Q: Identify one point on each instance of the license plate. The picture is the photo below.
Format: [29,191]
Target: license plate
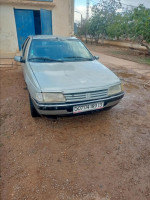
[88,107]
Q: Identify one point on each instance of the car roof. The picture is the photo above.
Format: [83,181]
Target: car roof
[51,37]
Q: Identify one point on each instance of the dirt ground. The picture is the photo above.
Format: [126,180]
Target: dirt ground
[134,55]
[99,156]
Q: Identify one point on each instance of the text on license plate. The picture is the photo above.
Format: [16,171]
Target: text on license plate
[88,107]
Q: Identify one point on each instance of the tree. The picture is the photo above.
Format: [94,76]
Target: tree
[119,28]
[83,29]
[140,22]
[108,21]
[95,28]
[104,14]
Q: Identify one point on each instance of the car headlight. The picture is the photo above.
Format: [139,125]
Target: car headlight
[39,97]
[53,97]
[114,90]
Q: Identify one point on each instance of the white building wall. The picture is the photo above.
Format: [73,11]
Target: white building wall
[62,23]
[63,17]
[8,35]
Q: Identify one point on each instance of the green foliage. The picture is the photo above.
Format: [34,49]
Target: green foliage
[120,28]
[103,16]
[140,20]
[83,29]
[108,21]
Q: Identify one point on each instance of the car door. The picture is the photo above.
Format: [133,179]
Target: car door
[24,57]
[29,76]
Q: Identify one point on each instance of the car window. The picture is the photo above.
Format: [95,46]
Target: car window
[55,49]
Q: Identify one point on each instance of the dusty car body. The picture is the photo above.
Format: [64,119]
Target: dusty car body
[61,85]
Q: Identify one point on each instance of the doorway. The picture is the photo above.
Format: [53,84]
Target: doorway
[32,22]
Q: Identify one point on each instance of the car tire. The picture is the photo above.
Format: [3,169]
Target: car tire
[33,111]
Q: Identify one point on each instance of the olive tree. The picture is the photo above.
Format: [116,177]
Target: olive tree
[134,24]
[103,15]
[140,22]
[83,29]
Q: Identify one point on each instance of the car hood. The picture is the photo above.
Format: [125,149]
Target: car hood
[73,76]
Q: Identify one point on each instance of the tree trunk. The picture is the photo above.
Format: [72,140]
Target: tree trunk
[96,42]
[146,45]
[102,39]
[90,39]
[86,39]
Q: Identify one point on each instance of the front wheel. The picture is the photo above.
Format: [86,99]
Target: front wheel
[33,111]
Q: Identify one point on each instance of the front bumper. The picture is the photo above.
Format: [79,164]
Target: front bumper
[67,108]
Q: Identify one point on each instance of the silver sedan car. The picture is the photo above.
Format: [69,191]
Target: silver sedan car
[63,77]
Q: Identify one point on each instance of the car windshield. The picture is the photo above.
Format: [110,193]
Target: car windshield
[57,50]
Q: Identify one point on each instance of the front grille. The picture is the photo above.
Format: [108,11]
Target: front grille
[73,97]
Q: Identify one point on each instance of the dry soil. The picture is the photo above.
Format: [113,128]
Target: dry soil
[99,156]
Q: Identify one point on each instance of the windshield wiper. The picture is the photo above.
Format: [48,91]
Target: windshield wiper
[78,57]
[45,59]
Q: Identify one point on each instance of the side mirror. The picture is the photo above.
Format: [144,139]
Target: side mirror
[96,57]
[19,59]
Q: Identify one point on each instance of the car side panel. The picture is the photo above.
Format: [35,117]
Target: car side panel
[29,77]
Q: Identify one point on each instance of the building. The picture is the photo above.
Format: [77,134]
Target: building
[20,18]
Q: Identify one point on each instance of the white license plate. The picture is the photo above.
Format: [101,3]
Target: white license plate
[88,107]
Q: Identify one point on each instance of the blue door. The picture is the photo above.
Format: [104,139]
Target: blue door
[24,24]
[46,22]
